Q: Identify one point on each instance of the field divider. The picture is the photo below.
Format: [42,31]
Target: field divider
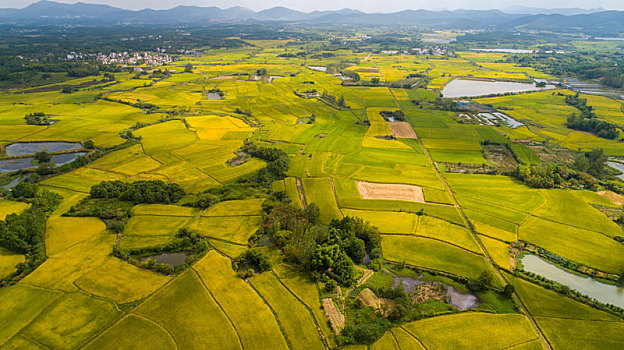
[413,336]
[27,337]
[580,319]
[396,341]
[19,332]
[316,322]
[432,238]
[279,323]
[520,343]
[220,307]
[157,325]
[104,329]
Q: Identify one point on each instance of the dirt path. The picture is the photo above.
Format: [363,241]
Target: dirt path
[301,193]
[367,274]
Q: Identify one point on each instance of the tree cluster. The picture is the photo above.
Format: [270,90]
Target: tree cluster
[37,118]
[397,115]
[25,233]
[333,100]
[152,191]
[601,128]
[325,251]
[584,172]
[256,184]
[249,262]
[186,240]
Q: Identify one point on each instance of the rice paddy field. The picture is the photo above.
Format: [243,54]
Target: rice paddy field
[455,224]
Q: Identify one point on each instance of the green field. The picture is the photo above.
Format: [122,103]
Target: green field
[242,159]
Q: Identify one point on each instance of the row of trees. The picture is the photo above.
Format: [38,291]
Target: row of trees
[152,191]
[333,100]
[601,128]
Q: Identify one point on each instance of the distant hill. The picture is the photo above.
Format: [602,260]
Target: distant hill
[593,21]
[523,10]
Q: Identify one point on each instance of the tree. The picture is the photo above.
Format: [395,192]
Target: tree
[25,190]
[509,290]
[481,283]
[341,102]
[330,286]
[188,68]
[375,81]
[312,213]
[356,249]
[43,157]
[89,144]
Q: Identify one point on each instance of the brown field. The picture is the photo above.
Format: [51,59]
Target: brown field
[336,318]
[410,193]
[369,298]
[615,198]
[402,130]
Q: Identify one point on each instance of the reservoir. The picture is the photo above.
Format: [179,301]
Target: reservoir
[473,88]
[602,292]
[26,148]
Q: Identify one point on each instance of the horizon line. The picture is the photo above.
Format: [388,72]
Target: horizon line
[320,10]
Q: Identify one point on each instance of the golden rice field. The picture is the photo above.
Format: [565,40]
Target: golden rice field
[457,225]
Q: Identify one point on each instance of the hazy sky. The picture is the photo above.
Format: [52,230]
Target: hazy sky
[364,5]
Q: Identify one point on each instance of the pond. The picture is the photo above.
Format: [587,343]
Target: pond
[473,88]
[318,68]
[62,159]
[462,301]
[505,50]
[593,88]
[174,259]
[602,292]
[214,96]
[619,167]
[26,148]
[11,165]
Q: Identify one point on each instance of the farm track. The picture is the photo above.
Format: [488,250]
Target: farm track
[487,256]
[301,193]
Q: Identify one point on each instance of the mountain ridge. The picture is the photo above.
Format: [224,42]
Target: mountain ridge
[51,12]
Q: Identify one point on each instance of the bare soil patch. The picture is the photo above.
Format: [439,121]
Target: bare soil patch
[615,198]
[336,318]
[400,192]
[425,292]
[223,77]
[402,130]
[369,298]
